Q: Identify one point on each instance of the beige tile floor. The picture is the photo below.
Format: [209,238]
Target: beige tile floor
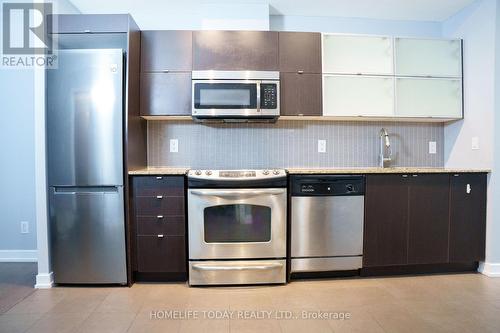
[437,303]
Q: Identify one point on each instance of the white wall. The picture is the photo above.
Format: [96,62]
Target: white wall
[477,25]
[18,94]
[493,239]
[17,167]
[355,26]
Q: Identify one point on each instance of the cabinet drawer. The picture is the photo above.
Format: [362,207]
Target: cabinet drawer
[161,205]
[166,254]
[159,185]
[161,224]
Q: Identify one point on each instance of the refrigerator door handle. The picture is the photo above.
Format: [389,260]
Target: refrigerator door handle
[85,189]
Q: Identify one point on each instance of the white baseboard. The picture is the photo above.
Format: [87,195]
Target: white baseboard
[18,255]
[44,281]
[489,269]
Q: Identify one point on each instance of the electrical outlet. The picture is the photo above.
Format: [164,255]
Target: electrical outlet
[174,145]
[321,146]
[432,147]
[25,227]
[475,143]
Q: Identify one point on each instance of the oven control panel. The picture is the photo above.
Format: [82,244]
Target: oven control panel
[236,174]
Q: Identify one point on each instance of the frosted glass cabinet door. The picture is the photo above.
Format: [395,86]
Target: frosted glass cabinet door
[427,57]
[351,96]
[357,55]
[422,97]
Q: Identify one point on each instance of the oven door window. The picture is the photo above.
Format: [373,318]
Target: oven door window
[238,223]
[225,95]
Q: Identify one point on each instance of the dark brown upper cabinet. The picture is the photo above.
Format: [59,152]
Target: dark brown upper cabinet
[428,219]
[300,52]
[468,217]
[235,50]
[300,94]
[166,94]
[386,220]
[166,51]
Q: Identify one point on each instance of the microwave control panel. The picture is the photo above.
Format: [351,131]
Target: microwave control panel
[268,96]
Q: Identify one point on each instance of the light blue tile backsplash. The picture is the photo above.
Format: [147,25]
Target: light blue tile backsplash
[291,144]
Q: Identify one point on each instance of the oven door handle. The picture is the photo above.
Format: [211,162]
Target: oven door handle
[234,193]
[259,267]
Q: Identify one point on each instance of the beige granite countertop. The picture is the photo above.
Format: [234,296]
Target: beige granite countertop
[305,171]
[159,171]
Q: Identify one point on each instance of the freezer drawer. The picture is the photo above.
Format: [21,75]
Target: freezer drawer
[87,235]
[85,118]
[329,226]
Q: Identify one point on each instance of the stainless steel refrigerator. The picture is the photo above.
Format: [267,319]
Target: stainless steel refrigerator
[85,166]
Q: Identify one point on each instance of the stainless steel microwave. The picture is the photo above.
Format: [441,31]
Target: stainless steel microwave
[236,95]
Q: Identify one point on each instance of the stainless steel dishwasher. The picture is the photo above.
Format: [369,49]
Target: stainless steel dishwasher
[327,214]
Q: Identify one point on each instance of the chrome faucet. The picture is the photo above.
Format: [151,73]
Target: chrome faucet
[385,149]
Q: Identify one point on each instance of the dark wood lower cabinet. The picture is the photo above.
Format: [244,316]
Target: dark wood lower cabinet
[159,228]
[386,225]
[424,223]
[468,217]
[428,218]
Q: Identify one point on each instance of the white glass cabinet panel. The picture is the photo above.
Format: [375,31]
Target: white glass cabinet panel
[357,55]
[351,96]
[428,97]
[428,57]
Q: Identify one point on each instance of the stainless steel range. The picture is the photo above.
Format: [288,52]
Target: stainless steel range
[237,226]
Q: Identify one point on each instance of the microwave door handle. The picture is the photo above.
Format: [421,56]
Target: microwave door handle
[237,193]
[258,96]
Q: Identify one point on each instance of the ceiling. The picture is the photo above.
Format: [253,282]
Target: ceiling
[417,10]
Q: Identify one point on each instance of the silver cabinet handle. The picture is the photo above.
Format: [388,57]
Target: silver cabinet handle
[468,189]
[160,236]
[300,72]
[260,267]
[237,193]
[159,177]
[159,197]
[159,217]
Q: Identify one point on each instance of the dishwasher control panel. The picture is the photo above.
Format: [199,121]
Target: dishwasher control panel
[327,185]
